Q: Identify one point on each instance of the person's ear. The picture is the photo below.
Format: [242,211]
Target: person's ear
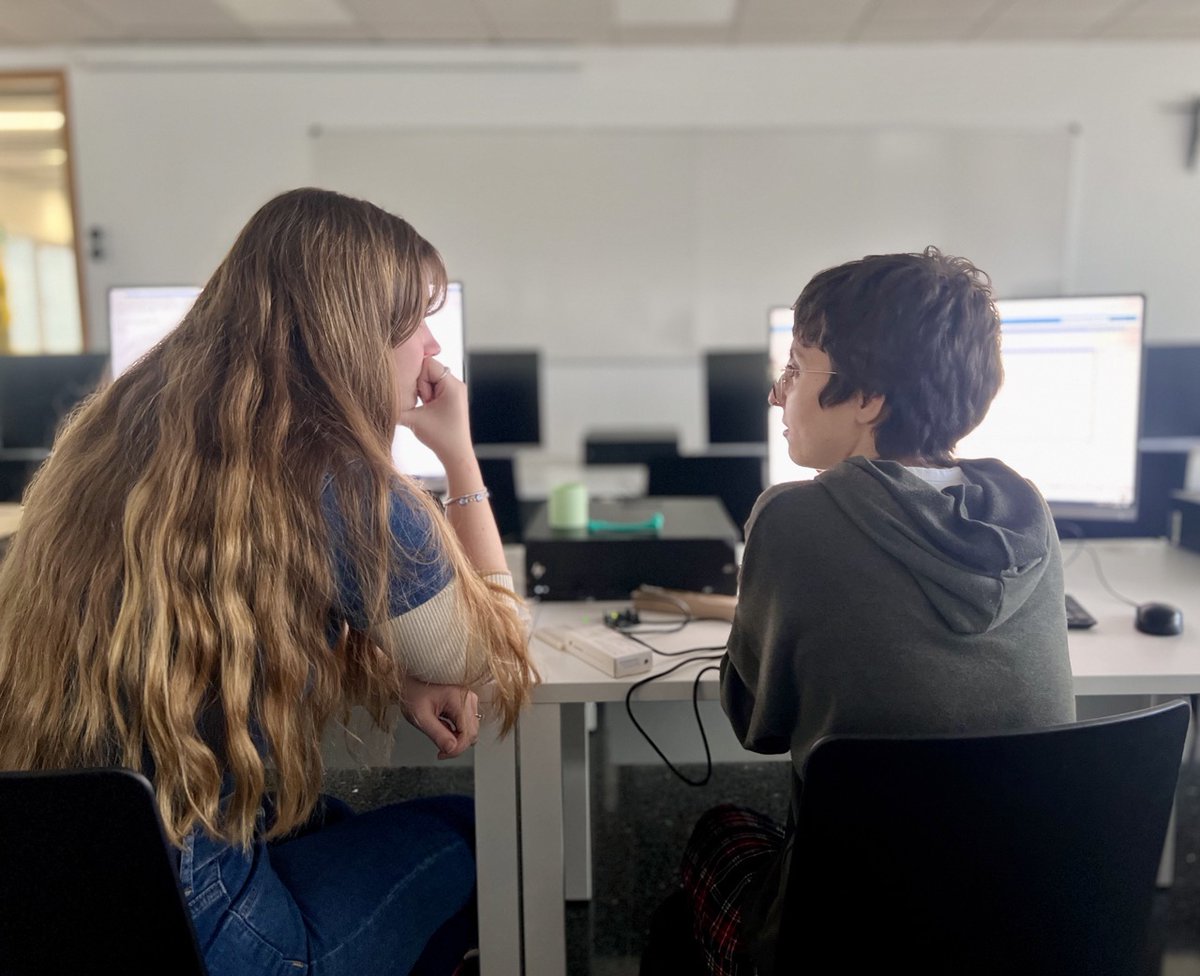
[870,409]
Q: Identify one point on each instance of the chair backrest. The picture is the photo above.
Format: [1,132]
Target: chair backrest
[1024,853]
[88,881]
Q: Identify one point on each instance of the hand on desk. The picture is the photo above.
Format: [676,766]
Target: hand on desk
[447,714]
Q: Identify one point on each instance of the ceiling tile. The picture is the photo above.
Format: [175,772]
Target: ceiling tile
[804,21]
[1037,29]
[48,22]
[266,14]
[791,32]
[420,18]
[570,21]
[54,22]
[674,35]
[931,10]
[884,31]
[687,14]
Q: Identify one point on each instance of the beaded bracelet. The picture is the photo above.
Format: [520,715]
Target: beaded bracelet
[473,496]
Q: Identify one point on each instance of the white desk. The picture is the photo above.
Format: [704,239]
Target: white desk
[543,773]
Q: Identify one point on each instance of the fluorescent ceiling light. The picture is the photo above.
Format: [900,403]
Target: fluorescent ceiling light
[282,13]
[698,13]
[31,121]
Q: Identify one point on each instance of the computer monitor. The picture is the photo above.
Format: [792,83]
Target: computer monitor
[1171,393]
[735,386]
[1067,415]
[37,392]
[138,317]
[505,397]
[409,454]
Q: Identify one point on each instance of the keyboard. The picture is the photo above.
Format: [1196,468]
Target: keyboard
[1077,617]
[600,646]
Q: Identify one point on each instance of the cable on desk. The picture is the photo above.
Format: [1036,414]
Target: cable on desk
[1104,580]
[1077,537]
[687,650]
[627,623]
[708,765]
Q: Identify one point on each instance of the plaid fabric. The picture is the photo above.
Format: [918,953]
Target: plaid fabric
[728,846]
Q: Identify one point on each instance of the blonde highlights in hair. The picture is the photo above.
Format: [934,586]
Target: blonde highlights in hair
[166,603]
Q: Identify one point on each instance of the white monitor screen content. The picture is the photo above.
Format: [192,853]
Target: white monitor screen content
[1067,414]
[139,317]
[411,456]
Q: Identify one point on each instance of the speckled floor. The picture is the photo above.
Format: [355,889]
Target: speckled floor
[642,816]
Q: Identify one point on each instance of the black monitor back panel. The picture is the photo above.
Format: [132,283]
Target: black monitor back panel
[736,384]
[505,397]
[1171,392]
[37,392]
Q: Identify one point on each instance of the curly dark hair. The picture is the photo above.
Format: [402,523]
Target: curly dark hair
[919,329]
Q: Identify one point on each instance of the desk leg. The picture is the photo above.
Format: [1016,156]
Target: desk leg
[577,808]
[541,780]
[497,853]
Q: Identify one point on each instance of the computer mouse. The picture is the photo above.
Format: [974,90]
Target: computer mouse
[1160,619]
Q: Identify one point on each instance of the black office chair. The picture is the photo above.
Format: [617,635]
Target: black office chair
[88,881]
[737,480]
[1026,853]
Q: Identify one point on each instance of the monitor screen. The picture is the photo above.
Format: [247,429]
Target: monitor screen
[37,392]
[735,387]
[1082,356]
[139,317]
[505,398]
[1067,415]
[410,455]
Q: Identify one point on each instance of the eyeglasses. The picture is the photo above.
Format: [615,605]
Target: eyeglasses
[780,387]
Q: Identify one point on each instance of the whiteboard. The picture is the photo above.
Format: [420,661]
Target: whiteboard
[663,243]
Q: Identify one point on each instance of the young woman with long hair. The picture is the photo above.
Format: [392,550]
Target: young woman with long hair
[219,557]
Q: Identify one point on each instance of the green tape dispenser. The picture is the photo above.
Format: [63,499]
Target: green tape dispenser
[653,524]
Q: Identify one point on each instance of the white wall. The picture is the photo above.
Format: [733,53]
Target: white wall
[176,147]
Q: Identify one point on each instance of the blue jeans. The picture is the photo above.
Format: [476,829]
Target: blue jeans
[390,891]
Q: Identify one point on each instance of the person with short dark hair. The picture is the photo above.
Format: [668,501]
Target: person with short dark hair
[902,591]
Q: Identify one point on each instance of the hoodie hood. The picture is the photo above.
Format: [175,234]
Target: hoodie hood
[977,550]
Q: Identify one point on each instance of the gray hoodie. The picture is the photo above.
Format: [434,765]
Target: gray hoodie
[873,602]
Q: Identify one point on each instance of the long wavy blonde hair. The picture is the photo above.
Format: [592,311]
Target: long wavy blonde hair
[166,604]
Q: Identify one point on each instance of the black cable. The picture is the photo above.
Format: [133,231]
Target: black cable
[695,708]
[687,650]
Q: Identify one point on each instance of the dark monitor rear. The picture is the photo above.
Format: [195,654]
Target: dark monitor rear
[505,397]
[736,384]
[37,392]
[1171,392]
[737,480]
